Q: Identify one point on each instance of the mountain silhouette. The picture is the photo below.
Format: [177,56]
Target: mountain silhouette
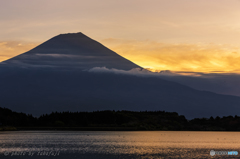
[74,50]
[55,76]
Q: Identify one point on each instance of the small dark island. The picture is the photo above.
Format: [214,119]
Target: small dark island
[115,121]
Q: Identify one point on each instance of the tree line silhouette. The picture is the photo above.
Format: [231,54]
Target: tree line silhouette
[115,120]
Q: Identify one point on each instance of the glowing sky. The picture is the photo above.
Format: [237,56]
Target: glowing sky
[177,35]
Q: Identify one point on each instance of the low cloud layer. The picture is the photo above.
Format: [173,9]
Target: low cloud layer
[221,83]
[135,71]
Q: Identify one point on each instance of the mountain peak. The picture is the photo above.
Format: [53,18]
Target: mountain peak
[72,50]
[71,35]
[78,33]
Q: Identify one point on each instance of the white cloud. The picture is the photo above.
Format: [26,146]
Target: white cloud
[135,71]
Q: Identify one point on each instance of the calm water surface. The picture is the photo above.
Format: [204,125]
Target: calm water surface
[116,144]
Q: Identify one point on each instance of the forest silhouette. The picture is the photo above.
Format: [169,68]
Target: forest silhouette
[115,120]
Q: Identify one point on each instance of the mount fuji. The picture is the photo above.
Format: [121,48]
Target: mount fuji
[71,51]
[55,76]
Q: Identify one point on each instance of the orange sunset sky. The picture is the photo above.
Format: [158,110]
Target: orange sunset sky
[176,35]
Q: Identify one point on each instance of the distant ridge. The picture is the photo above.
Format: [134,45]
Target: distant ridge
[72,50]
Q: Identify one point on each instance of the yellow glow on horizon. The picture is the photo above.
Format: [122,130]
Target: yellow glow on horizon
[9,49]
[157,56]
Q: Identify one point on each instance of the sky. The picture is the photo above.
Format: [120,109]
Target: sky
[177,35]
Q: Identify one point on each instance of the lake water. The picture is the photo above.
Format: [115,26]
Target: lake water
[117,144]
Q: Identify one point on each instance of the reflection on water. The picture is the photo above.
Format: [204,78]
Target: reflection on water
[117,144]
